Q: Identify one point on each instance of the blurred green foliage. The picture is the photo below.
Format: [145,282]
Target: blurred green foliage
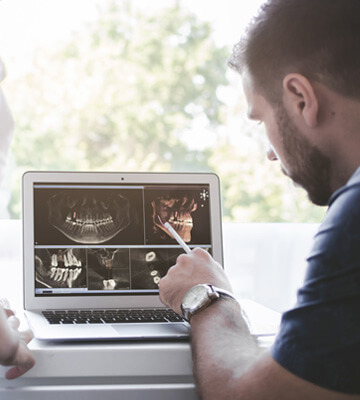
[120,94]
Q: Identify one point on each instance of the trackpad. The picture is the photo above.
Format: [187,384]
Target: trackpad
[152,331]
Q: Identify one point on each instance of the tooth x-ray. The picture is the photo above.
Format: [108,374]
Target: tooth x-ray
[111,238]
[88,216]
[150,265]
[60,268]
[108,269]
[187,211]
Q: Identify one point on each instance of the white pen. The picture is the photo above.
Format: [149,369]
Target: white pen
[176,236]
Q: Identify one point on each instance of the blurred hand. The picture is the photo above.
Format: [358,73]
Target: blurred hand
[13,345]
[4,303]
[190,270]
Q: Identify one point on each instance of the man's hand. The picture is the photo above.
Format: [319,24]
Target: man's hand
[190,270]
[13,345]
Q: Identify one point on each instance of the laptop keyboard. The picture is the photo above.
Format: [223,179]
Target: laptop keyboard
[111,316]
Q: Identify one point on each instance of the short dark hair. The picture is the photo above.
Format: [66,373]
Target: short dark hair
[319,39]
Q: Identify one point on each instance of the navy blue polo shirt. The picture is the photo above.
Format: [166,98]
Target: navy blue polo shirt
[319,339]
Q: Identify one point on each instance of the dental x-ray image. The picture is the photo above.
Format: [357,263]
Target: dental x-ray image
[88,216]
[187,211]
[148,266]
[108,269]
[60,268]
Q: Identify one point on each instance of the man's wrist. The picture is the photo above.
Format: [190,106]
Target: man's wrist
[221,313]
[200,297]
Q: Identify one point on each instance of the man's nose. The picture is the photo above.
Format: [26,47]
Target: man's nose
[271,155]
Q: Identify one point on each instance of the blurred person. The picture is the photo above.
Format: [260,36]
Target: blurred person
[6,126]
[13,343]
[300,66]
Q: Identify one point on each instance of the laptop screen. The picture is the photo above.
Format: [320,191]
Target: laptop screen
[101,239]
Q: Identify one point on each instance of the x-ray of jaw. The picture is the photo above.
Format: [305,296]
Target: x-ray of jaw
[60,268]
[148,266]
[88,218]
[150,259]
[108,269]
[175,209]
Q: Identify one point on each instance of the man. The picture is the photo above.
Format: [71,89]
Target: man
[13,344]
[300,66]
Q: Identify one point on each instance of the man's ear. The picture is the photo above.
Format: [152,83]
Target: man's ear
[299,96]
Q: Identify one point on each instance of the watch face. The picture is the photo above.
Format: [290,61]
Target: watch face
[196,297]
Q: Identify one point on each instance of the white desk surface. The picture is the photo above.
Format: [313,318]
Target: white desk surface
[113,370]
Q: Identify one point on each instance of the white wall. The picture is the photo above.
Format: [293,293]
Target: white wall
[266,261]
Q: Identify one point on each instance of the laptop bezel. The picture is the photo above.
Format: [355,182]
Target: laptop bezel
[32,302]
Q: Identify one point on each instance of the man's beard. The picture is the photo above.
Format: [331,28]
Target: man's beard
[308,166]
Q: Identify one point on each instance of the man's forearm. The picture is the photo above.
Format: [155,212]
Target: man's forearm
[223,348]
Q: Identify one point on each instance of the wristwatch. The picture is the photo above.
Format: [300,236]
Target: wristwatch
[200,297]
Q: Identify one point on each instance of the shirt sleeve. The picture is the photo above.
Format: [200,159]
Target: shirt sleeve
[319,339]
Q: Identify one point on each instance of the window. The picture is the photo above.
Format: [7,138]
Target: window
[133,85]
[122,85]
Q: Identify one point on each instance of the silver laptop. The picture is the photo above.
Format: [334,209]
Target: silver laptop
[95,250]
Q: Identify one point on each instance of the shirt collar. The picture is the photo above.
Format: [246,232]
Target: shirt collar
[354,179]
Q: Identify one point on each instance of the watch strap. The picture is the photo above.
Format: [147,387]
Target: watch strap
[223,292]
[215,294]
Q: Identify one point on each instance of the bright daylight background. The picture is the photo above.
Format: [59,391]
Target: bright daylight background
[134,85]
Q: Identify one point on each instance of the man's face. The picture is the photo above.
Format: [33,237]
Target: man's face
[304,163]
[308,166]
